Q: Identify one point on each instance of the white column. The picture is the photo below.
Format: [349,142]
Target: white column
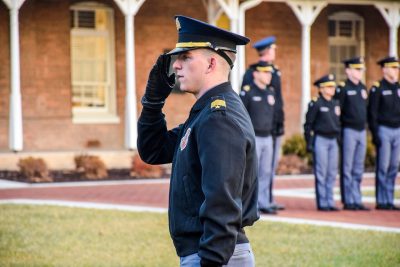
[15,123]
[235,76]
[214,11]
[130,98]
[305,69]
[241,55]
[391,14]
[130,9]
[231,9]
[306,12]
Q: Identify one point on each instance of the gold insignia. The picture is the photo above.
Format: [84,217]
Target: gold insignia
[314,98]
[246,88]
[178,24]
[377,84]
[218,103]
[264,69]
[342,83]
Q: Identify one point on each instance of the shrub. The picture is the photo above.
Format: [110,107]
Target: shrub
[144,170]
[296,145]
[370,156]
[34,169]
[90,167]
[292,164]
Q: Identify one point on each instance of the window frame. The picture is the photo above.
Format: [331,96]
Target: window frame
[357,41]
[107,114]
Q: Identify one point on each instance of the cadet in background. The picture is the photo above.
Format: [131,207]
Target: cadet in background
[321,131]
[266,50]
[384,123]
[259,100]
[353,98]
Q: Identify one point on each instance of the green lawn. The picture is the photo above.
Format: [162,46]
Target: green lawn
[371,193]
[58,236]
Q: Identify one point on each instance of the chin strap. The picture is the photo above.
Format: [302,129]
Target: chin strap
[225,56]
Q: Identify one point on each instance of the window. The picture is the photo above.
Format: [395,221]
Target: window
[92,64]
[346,40]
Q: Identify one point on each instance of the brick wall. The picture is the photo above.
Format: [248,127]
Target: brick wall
[4,74]
[45,64]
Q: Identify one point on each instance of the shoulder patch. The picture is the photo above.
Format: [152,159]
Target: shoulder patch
[314,99]
[246,88]
[342,83]
[377,84]
[218,103]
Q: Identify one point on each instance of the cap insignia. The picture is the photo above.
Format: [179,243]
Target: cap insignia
[178,24]
[246,88]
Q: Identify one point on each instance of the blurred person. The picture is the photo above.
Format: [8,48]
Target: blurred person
[321,132]
[259,100]
[266,50]
[213,187]
[384,123]
[353,98]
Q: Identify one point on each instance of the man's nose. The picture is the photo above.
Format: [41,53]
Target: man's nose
[176,64]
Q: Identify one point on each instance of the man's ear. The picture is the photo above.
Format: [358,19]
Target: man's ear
[212,63]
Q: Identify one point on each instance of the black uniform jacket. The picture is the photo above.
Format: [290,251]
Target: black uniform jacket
[213,188]
[384,105]
[279,115]
[322,118]
[260,104]
[353,100]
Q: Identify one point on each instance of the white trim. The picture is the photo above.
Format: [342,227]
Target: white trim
[391,14]
[11,4]
[85,205]
[352,226]
[136,208]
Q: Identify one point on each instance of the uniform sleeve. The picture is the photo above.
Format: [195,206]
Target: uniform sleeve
[223,161]
[247,78]
[279,115]
[310,119]
[373,107]
[340,96]
[156,145]
[245,97]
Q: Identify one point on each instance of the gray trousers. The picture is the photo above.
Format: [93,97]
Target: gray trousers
[325,170]
[264,149]
[353,156]
[387,163]
[275,160]
[242,257]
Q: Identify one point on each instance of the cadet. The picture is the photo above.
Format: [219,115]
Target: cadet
[321,130]
[259,100]
[266,50]
[384,123]
[352,96]
[213,187]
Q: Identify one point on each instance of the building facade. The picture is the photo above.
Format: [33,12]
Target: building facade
[65,84]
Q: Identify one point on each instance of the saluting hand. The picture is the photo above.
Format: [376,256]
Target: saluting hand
[159,84]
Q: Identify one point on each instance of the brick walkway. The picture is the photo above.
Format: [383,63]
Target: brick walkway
[155,194]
